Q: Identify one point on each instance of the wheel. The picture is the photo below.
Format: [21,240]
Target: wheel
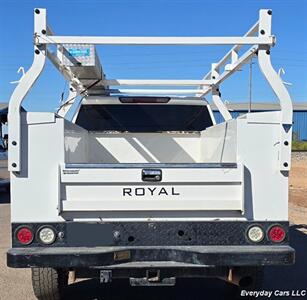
[49,283]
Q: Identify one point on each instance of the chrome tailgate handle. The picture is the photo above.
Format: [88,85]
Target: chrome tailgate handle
[151,175]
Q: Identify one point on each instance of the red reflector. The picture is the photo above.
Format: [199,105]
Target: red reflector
[277,234]
[24,235]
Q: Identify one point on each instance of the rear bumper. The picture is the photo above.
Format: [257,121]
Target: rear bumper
[82,257]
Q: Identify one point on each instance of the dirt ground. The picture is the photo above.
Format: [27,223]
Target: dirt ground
[15,284]
[4,174]
[298,189]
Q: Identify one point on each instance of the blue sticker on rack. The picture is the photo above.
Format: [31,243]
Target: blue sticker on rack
[77,52]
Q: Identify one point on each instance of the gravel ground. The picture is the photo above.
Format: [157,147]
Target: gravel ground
[15,284]
[4,174]
[299,156]
[298,188]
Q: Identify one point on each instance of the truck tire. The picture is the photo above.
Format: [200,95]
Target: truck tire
[49,283]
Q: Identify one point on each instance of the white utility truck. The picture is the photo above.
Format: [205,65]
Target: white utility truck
[142,183]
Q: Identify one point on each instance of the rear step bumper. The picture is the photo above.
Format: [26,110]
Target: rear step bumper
[74,257]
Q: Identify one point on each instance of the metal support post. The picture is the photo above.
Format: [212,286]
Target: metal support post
[22,89]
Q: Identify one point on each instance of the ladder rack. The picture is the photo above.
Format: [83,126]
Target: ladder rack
[81,77]
[77,60]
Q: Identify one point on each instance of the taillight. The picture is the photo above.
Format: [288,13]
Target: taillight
[24,235]
[276,234]
[255,234]
[46,235]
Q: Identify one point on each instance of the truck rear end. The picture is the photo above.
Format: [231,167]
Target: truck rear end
[149,187]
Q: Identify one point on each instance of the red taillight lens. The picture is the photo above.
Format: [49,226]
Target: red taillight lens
[24,235]
[277,234]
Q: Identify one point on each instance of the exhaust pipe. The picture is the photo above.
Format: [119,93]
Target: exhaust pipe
[238,279]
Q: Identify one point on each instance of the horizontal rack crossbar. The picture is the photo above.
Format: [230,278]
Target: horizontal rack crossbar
[156,82]
[125,40]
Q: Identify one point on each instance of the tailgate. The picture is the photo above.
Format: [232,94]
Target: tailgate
[123,187]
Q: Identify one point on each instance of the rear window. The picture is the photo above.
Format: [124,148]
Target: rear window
[144,118]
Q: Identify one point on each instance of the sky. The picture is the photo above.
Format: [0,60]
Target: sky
[155,18]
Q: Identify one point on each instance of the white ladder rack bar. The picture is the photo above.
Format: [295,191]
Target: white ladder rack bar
[231,69]
[156,82]
[236,48]
[230,54]
[153,41]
